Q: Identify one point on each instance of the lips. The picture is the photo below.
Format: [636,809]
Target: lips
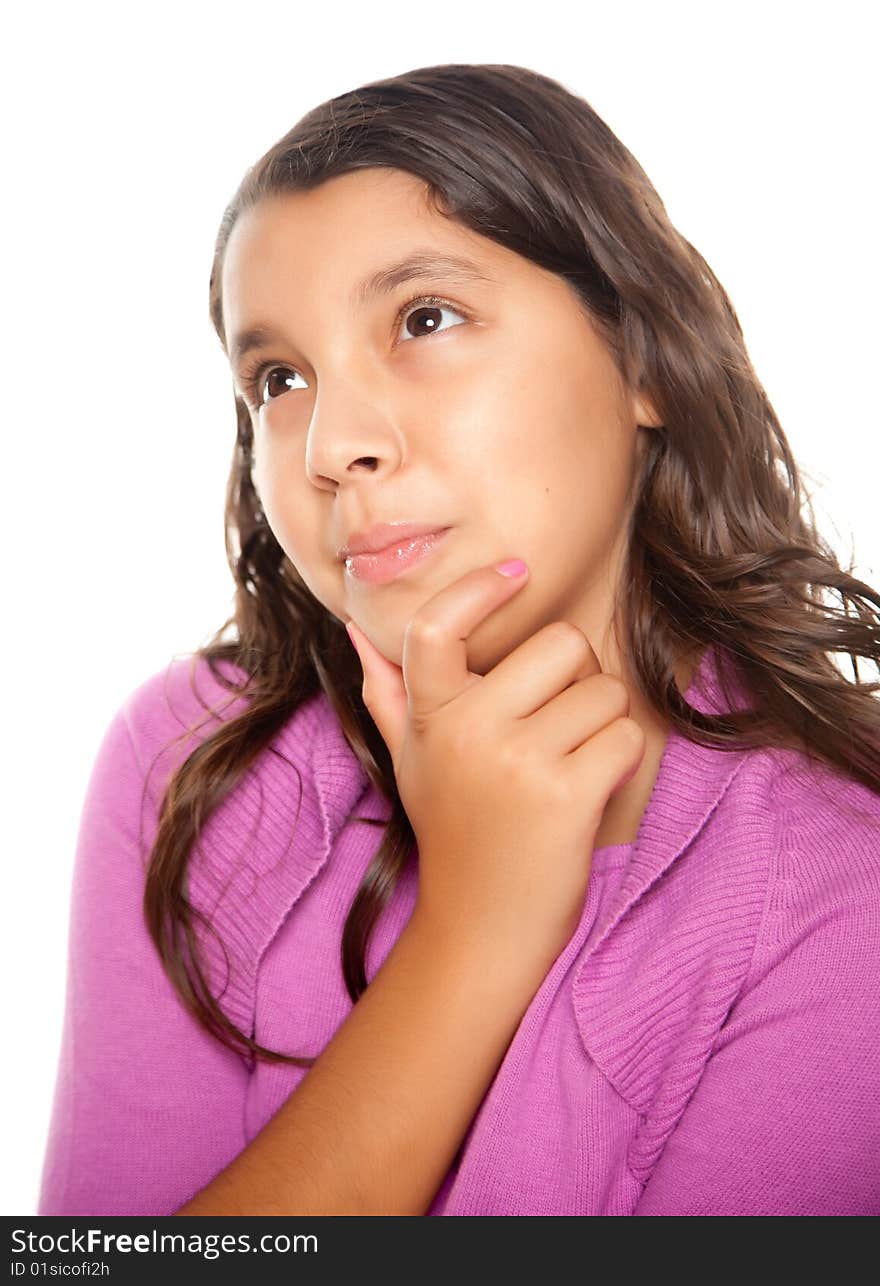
[395,560]
[384,535]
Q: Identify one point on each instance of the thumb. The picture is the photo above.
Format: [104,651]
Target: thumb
[384,691]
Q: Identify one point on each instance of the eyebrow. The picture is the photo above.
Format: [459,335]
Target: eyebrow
[418,263]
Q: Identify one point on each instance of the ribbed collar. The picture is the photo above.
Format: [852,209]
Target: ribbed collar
[690,783]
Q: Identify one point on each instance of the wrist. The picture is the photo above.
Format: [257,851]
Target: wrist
[497,963]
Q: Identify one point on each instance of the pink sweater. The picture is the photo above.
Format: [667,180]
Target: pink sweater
[708,1042]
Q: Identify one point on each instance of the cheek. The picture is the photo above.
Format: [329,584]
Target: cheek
[591,448]
[292,523]
[546,412]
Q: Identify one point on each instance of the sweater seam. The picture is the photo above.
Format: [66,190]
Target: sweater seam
[773,862]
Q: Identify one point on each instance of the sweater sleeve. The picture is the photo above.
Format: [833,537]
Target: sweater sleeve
[148,1107]
[785,1119]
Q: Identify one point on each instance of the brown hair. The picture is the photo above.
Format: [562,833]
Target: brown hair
[719,550]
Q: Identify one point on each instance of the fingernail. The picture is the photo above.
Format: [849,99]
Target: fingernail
[514,567]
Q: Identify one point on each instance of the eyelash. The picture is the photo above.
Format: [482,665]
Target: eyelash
[252,376]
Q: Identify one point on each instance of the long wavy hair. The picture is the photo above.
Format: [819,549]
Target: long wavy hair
[720,551]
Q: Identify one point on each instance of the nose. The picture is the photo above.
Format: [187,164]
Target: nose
[350,437]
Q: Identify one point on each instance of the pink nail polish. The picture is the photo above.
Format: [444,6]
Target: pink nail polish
[514,567]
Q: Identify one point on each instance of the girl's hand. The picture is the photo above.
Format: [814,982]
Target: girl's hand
[504,777]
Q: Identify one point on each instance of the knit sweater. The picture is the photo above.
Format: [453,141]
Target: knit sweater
[707,1043]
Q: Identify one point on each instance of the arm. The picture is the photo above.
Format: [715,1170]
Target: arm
[785,1119]
[139,1081]
[147,1105]
[374,1125]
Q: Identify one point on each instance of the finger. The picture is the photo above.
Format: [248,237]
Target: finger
[435,644]
[542,667]
[610,758]
[578,713]
[383,690]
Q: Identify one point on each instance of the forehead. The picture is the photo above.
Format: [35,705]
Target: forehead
[357,204]
[312,247]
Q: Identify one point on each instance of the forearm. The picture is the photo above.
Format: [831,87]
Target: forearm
[374,1125]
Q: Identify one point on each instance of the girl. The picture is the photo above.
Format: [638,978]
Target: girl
[559,891]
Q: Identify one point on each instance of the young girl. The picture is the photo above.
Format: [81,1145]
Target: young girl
[559,891]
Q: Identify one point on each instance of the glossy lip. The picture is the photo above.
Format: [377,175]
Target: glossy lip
[388,564]
[383,535]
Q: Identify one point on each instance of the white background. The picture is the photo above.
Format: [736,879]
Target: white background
[126,133]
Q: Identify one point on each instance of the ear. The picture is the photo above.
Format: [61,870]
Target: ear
[644,414]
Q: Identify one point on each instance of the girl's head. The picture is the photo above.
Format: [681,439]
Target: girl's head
[575,391]
[478,395]
[586,403]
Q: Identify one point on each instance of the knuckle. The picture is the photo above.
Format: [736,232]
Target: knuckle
[515,762]
[569,634]
[613,691]
[424,631]
[631,731]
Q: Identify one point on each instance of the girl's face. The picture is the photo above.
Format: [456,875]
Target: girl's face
[497,412]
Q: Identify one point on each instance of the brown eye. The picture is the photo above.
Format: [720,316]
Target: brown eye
[426,318]
[422,316]
[277,380]
[265,383]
